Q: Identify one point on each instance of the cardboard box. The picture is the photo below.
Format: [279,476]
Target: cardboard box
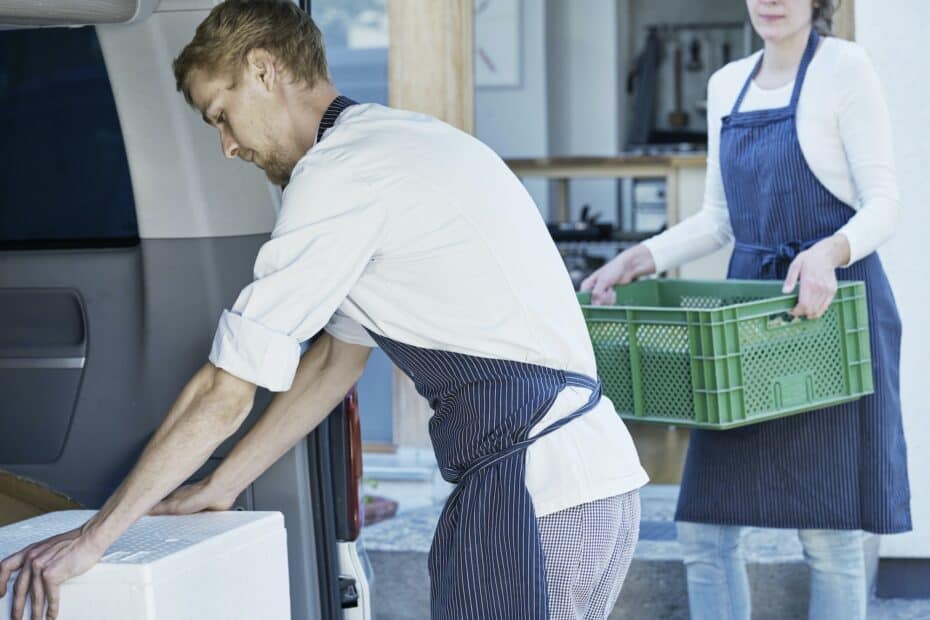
[21,499]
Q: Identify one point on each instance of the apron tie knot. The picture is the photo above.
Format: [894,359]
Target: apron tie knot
[773,258]
[783,254]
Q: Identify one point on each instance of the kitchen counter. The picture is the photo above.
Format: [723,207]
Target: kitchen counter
[622,165]
[680,169]
[683,171]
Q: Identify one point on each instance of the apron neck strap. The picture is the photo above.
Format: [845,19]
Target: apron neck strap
[745,89]
[812,43]
[332,112]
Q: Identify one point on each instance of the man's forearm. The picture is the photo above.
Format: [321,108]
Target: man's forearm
[324,376]
[209,409]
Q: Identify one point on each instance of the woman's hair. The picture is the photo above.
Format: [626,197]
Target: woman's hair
[823,15]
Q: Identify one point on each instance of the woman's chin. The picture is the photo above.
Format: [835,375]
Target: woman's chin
[772,33]
[778,31]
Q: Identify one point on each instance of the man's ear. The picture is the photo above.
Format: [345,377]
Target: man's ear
[260,66]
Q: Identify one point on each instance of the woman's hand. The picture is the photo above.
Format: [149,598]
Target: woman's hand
[192,498]
[623,269]
[816,270]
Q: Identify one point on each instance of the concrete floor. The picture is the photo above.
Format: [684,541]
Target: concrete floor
[655,588]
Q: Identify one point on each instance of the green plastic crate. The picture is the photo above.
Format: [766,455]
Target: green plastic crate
[722,354]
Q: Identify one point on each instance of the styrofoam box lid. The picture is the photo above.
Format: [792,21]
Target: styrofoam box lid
[154,547]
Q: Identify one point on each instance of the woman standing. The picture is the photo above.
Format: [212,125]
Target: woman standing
[800,175]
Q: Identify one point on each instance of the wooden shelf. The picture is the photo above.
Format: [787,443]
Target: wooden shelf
[600,167]
[563,169]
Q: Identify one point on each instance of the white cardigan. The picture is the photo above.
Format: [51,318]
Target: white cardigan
[845,135]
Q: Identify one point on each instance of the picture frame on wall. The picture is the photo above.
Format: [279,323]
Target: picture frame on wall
[498,43]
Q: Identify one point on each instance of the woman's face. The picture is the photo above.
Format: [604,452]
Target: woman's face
[777,20]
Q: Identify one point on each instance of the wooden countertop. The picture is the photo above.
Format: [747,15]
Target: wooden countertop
[620,165]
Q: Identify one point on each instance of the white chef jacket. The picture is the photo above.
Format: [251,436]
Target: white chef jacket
[399,224]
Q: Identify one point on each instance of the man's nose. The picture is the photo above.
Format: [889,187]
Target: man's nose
[228,144]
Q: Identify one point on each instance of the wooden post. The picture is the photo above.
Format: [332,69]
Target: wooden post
[431,59]
[430,70]
[844,22]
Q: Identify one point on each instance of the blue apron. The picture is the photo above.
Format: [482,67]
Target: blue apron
[486,560]
[842,467]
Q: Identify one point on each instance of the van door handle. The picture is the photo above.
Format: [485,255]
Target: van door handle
[7,363]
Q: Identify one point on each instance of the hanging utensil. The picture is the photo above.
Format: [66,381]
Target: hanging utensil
[643,83]
[678,118]
[695,63]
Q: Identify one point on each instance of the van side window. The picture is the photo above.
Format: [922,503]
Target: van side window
[64,178]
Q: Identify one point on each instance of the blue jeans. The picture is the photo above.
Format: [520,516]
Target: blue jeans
[718,588]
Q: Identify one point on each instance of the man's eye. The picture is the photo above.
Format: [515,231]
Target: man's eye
[221,118]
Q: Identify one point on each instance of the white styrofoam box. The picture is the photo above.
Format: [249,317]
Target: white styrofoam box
[212,565]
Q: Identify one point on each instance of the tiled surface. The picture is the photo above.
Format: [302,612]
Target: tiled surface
[409,476]
[657,530]
[899,609]
[413,531]
[410,533]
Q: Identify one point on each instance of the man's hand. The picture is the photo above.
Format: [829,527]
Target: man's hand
[209,409]
[198,422]
[43,567]
[192,498]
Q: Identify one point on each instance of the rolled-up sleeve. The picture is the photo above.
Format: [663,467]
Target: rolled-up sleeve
[326,234]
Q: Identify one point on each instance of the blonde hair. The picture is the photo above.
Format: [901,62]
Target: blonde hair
[235,27]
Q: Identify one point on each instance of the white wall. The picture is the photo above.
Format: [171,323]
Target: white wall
[583,92]
[897,42]
[567,102]
[512,120]
[583,77]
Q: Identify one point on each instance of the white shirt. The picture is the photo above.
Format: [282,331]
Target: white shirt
[845,134]
[400,224]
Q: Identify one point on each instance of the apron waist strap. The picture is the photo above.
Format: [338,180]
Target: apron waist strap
[482,521]
[573,379]
[781,254]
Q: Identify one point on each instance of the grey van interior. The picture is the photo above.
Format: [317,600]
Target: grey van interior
[123,234]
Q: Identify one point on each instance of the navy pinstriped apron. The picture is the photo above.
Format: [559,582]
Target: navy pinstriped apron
[486,561]
[841,467]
